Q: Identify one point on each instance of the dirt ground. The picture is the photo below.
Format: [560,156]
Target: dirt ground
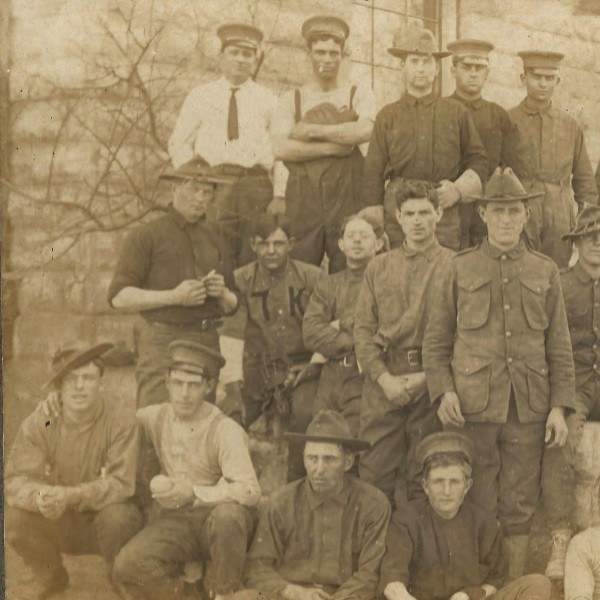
[88,574]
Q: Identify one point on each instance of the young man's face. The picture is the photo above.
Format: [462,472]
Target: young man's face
[589,249]
[505,222]
[540,84]
[80,388]
[191,199]
[418,218]
[237,63]
[469,78]
[187,392]
[325,466]
[420,71]
[446,488]
[326,58]
[359,242]
[272,253]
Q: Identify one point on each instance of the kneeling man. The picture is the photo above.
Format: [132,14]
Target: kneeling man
[441,547]
[205,486]
[322,536]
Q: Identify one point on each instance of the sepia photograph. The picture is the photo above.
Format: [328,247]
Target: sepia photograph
[300,299]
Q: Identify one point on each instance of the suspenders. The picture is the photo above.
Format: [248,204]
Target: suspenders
[298,102]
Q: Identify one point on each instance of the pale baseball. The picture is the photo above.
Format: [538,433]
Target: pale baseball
[160,484]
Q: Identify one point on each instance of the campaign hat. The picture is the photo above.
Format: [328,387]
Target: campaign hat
[72,356]
[415,40]
[504,186]
[196,358]
[471,51]
[329,426]
[445,442]
[588,221]
[240,34]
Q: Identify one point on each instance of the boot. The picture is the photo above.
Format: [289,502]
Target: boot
[556,563]
[517,555]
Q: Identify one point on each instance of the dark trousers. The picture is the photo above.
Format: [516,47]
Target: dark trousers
[40,541]
[527,587]
[221,533]
[507,468]
[394,432]
[153,341]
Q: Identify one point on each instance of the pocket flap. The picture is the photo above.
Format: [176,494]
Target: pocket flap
[537,286]
[540,369]
[473,282]
[469,366]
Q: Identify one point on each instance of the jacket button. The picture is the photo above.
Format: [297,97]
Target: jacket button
[508,333]
[503,257]
[509,360]
[506,306]
[505,280]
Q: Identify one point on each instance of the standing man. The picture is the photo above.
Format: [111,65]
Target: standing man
[581,290]
[70,479]
[389,322]
[556,163]
[223,130]
[177,272]
[425,138]
[470,69]
[317,131]
[329,321]
[321,537]
[498,360]
[263,340]
[204,482]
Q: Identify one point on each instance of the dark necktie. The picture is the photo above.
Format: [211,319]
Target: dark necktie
[232,118]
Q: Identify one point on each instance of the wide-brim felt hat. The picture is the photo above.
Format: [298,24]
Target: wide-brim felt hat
[193,170]
[588,221]
[72,357]
[196,358]
[415,40]
[504,186]
[330,427]
[445,442]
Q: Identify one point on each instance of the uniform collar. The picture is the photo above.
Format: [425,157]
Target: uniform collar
[410,100]
[496,253]
[476,104]
[315,500]
[531,110]
[227,85]
[581,273]
[429,253]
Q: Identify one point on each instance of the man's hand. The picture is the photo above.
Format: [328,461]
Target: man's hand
[335,324]
[191,292]
[303,132]
[449,411]
[459,596]
[53,501]
[215,284]
[556,428]
[51,405]
[415,384]
[397,591]
[299,373]
[394,388]
[181,494]
[448,194]
[297,592]
[233,405]
[277,206]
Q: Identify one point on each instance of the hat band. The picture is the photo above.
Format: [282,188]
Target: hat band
[190,368]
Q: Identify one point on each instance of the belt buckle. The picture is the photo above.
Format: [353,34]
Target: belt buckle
[412,356]
[346,362]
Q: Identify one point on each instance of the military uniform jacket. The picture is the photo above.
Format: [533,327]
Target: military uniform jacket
[499,321]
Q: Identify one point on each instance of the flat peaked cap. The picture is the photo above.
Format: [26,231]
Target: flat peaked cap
[415,40]
[195,358]
[325,25]
[191,171]
[504,186]
[588,221]
[471,51]
[329,426]
[444,442]
[72,357]
[240,34]
[540,59]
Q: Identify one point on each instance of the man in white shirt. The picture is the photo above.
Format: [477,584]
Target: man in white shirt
[223,130]
[582,569]
[205,487]
[317,130]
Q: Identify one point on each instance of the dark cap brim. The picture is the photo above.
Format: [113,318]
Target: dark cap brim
[350,443]
[174,177]
[508,198]
[573,235]
[78,361]
[398,53]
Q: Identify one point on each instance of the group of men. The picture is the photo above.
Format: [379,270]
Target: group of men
[449,372]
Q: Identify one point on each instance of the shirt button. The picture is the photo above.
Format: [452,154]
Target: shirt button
[595,347]
[508,333]
[509,360]
[505,280]
[596,304]
[280,311]
[506,306]
[503,256]
[596,281]
[596,328]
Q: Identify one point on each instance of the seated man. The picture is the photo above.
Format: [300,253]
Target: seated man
[206,484]
[321,537]
[440,547]
[70,479]
[582,569]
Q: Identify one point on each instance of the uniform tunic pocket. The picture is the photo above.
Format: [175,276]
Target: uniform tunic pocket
[472,383]
[474,302]
[533,293]
[538,386]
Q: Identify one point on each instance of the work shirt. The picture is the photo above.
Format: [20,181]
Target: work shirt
[427,138]
[272,305]
[499,322]
[498,134]
[582,567]
[333,299]
[394,301]
[99,456]
[555,157]
[201,128]
[582,302]
[436,557]
[336,542]
[163,253]
[209,450]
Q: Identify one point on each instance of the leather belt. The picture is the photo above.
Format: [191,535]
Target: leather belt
[404,360]
[200,325]
[348,360]
[229,170]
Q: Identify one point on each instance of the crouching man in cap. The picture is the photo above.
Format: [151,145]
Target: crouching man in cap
[206,483]
[70,479]
[499,363]
[321,537]
[441,547]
